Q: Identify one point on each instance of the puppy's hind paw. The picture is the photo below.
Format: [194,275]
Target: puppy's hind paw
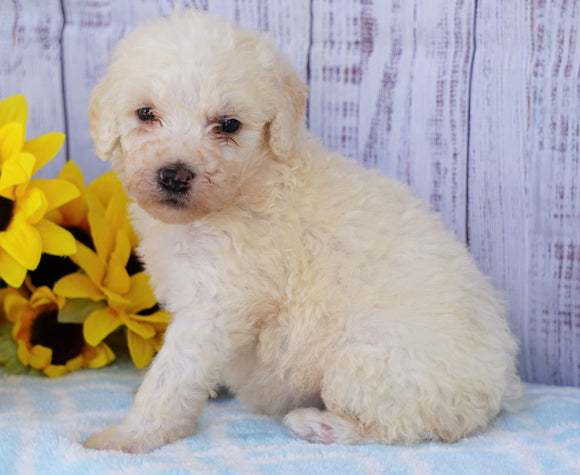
[115,438]
[323,427]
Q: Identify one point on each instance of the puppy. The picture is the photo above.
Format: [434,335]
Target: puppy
[311,287]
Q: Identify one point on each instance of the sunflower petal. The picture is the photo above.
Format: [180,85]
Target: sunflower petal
[40,356]
[56,240]
[73,213]
[116,301]
[11,271]
[76,286]
[140,294]
[13,109]
[15,171]
[88,261]
[31,206]
[103,186]
[54,371]
[116,213]
[99,325]
[141,350]
[72,173]
[44,296]
[14,303]
[122,249]
[101,231]
[23,353]
[98,356]
[117,279]
[11,140]
[160,316]
[44,148]
[22,241]
[74,364]
[143,329]
[57,192]
[11,300]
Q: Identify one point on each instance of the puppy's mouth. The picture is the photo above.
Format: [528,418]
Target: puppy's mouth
[174,203]
[175,183]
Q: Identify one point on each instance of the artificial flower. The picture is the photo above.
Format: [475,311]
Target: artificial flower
[108,189]
[13,118]
[72,216]
[45,344]
[25,232]
[105,276]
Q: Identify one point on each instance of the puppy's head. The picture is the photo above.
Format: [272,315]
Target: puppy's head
[190,108]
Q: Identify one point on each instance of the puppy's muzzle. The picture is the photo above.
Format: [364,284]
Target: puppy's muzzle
[175,179]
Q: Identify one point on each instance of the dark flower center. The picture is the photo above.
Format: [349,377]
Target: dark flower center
[134,265]
[52,268]
[64,339]
[82,236]
[6,212]
[149,311]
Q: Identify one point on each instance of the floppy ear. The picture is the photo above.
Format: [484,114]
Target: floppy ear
[103,119]
[290,104]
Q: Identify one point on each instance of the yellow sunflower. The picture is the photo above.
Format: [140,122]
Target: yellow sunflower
[72,216]
[108,189]
[130,301]
[46,344]
[25,232]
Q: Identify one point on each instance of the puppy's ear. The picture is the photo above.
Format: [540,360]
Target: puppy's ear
[103,119]
[291,95]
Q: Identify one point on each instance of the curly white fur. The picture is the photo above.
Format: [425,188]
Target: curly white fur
[312,287]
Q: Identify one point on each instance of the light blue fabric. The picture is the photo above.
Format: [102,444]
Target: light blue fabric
[44,421]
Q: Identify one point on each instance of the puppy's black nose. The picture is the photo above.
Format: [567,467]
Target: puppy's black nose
[175,178]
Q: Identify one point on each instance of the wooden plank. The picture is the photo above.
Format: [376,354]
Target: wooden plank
[91,31]
[289,30]
[390,87]
[30,65]
[390,84]
[524,175]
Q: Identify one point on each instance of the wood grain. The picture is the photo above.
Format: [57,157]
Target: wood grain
[524,205]
[286,21]
[393,79]
[475,104]
[30,65]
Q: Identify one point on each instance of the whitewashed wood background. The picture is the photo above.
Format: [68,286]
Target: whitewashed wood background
[474,103]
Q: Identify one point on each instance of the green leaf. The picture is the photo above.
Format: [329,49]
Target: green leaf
[36,373]
[14,366]
[9,354]
[77,310]
[6,330]
[8,347]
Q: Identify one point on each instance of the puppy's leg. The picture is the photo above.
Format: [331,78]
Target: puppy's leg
[173,392]
[369,398]
[323,426]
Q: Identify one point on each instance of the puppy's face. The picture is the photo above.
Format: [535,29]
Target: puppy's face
[190,110]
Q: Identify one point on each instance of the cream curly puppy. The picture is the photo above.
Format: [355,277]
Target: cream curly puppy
[311,287]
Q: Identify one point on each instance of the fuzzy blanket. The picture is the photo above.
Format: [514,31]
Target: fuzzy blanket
[43,421]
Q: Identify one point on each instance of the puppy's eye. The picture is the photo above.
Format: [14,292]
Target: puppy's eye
[229,126]
[146,114]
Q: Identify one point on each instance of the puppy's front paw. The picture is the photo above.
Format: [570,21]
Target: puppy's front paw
[115,437]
